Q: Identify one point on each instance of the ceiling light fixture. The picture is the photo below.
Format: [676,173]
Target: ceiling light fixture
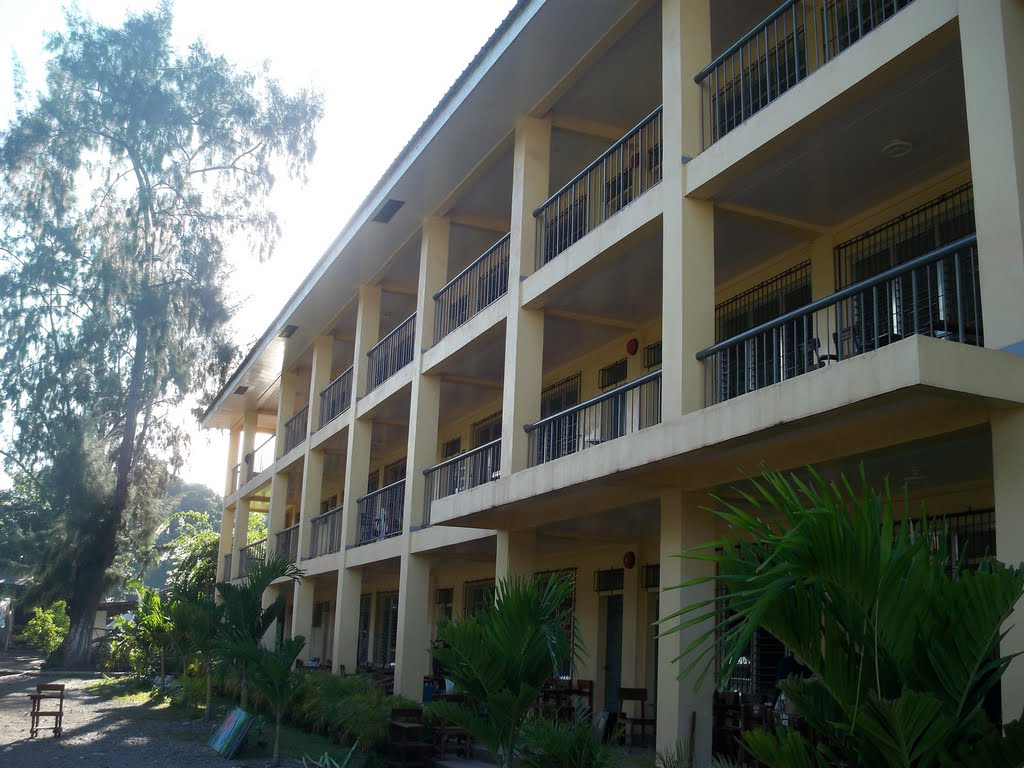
[897,148]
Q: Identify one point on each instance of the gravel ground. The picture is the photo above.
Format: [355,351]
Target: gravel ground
[99,732]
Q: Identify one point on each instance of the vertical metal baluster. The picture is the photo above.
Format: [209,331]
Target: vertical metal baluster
[959,298]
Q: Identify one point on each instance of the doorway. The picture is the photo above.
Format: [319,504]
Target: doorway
[612,652]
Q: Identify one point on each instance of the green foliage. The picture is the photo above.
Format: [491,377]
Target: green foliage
[121,185]
[548,743]
[326,761]
[502,657]
[143,640]
[676,756]
[903,645]
[197,621]
[271,674]
[47,628]
[193,554]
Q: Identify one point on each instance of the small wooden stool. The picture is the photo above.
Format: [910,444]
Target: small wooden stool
[53,692]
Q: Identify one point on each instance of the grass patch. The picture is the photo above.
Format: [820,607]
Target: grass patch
[128,690]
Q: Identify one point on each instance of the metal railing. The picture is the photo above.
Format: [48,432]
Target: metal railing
[460,473]
[936,294]
[250,555]
[477,286]
[795,39]
[286,542]
[336,398]
[325,533]
[391,354]
[236,477]
[618,412]
[380,513]
[295,429]
[261,459]
[616,178]
[227,567]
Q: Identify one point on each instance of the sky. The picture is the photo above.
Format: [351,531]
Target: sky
[381,65]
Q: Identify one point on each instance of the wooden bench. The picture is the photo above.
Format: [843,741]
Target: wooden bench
[47,693]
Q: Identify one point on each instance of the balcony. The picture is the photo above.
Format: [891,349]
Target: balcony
[287,543]
[336,398]
[250,555]
[295,429]
[460,473]
[227,567]
[936,294]
[477,286]
[799,37]
[616,178]
[261,459]
[325,533]
[613,414]
[380,513]
[391,354]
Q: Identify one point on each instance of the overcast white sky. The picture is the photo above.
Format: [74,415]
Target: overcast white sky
[382,65]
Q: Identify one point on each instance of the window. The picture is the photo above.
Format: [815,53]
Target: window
[387,628]
[363,649]
[612,374]
[328,504]
[444,599]
[651,577]
[478,595]
[652,355]
[487,430]
[373,481]
[560,438]
[610,580]
[394,471]
[451,448]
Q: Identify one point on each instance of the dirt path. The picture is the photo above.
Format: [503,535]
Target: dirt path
[99,732]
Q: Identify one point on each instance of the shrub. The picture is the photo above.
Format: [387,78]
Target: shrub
[47,628]
[566,744]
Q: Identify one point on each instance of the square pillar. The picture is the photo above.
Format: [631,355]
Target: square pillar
[434,247]
[993,62]
[524,329]
[309,506]
[516,554]
[234,438]
[688,232]
[367,334]
[683,526]
[241,537]
[1008,485]
[631,664]
[278,499]
[302,613]
[320,377]
[249,425]
[412,658]
[285,407]
[227,534]
[346,619]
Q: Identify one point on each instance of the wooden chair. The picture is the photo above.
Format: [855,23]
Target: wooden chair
[407,746]
[447,735]
[631,724]
[586,692]
[47,693]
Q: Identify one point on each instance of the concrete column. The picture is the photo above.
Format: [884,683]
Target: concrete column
[823,283]
[302,613]
[412,659]
[285,407]
[250,422]
[270,636]
[434,247]
[367,334]
[278,498]
[524,329]
[516,554]
[234,439]
[320,377]
[346,619]
[688,244]
[241,535]
[683,525]
[631,665]
[993,62]
[1008,482]
[309,506]
[227,536]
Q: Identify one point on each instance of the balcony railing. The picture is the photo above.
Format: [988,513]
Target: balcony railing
[325,533]
[618,412]
[287,543]
[261,459]
[461,473]
[250,555]
[295,429]
[937,294]
[236,477]
[391,354]
[795,39]
[616,178]
[336,398]
[380,513]
[227,567]
[477,286]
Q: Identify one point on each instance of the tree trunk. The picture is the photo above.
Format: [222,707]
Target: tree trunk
[90,574]
[163,672]
[277,736]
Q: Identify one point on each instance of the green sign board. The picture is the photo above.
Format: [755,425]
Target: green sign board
[228,738]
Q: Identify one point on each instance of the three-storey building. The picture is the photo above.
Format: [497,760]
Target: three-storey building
[638,249]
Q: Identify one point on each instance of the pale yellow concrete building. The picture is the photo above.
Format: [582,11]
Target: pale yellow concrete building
[638,249]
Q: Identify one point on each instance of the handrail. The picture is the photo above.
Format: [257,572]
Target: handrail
[593,401]
[328,512]
[476,261]
[262,445]
[303,411]
[394,331]
[253,544]
[380,490]
[288,529]
[462,456]
[597,161]
[845,293]
[338,378]
[754,31]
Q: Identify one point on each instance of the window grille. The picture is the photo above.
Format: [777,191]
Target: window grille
[610,580]
[363,649]
[387,628]
[652,576]
[478,595]
[487,430]
[612,374]
[652,355]
[452,448]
